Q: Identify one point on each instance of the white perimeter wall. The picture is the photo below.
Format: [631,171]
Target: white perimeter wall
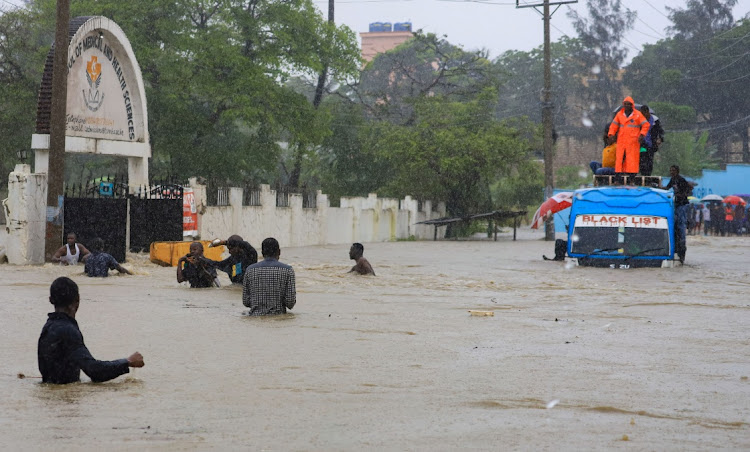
[370,219]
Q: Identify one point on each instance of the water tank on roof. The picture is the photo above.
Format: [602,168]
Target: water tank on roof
[402,26]
[387,26]
[376,26]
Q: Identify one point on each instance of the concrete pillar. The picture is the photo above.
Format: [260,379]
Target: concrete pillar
[199,192]
[137,172]
[235,201]
[322,205]
[268,205]
[41,161]
[411,205]
[441,209]
[26,216]
[295,235]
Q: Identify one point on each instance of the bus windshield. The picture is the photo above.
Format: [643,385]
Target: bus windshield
[626,235]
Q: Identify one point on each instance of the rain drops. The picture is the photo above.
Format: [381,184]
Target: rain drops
[596,69]
[552,403]
[586,121]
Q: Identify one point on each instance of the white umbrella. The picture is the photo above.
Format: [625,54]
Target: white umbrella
[712,197]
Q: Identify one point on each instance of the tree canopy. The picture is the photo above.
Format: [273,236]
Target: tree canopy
[703,66]
[215,74]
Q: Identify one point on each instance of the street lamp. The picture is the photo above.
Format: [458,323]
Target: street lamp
[22,154]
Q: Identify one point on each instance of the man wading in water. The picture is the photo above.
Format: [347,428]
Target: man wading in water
[61,351]
[362,266]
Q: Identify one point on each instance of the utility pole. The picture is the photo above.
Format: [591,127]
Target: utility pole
[547,124]
[324,72]
[56,167]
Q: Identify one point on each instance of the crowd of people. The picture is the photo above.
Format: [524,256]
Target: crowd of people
[716,218]
[268,288]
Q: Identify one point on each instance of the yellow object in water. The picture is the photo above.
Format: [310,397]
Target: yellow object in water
[168,253]
[482,313]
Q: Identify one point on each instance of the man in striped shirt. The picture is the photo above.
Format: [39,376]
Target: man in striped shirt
[268,287]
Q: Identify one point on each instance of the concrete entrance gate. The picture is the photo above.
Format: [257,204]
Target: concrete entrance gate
[106,114]
[106,104]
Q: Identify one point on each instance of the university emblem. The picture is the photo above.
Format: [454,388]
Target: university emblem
[93,98]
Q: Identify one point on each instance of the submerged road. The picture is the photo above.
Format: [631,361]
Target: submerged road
[573,359]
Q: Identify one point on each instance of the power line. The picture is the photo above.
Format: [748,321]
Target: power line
[650,27]
[13,6]
[479,1]
[702,76]
[655,9]
[365,1]
[742,77]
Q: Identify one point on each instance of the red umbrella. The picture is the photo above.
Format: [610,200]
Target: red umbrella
[736,200]
[551,206]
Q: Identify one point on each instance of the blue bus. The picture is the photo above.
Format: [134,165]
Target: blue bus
[622,227]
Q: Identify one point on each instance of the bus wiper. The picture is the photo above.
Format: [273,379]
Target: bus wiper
[600,251]
[645,251]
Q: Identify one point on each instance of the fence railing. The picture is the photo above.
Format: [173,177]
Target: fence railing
[309,200]
[282,197]
[116,187]
[222,196]
[251,196]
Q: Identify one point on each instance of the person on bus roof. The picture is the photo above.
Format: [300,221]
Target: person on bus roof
[628,129]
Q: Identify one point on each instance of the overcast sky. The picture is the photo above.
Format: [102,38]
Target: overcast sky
[497,25]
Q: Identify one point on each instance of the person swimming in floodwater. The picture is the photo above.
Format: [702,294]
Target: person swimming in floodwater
[362,266]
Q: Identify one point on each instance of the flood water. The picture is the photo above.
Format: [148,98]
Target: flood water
[574,358]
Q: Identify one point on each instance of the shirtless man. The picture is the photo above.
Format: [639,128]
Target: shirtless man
[362,266]
[66,257]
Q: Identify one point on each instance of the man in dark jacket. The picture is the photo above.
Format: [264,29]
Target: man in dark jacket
[61,351]
[99,263]
[241,256]
[682,189]
[653,140]
[195,268]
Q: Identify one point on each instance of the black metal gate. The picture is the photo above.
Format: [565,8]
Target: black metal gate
[101,210]
[105,218]
[155,215]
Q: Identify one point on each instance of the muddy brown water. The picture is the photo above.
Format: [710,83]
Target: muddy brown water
[573,359]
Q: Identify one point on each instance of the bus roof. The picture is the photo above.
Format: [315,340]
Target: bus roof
[646,200]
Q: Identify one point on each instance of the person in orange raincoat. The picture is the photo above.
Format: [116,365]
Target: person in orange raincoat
[630,127]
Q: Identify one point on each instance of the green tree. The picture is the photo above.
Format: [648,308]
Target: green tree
[602,55]
[453,151]
[701,18]
[24,42]
[215,73]
[426,65]
[346,163]
[691,153]
[676,117]
[702,65]
[522,188]
[572,177]
[523,78]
